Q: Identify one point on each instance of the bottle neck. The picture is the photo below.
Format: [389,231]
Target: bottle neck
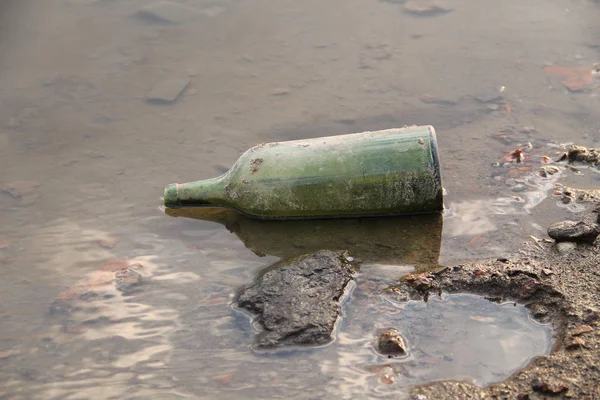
[204,193]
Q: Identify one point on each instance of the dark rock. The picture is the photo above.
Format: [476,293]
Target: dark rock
[426,8]
[391,343]
[549,388]
[577,153]
[297,301]
[573,231]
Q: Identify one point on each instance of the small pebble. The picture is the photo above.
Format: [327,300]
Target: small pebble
[390,342]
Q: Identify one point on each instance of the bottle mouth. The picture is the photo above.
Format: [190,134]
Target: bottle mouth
[171,198]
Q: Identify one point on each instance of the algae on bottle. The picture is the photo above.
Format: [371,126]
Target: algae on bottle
[387,172]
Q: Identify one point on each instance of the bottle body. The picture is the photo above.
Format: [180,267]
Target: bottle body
[389,172]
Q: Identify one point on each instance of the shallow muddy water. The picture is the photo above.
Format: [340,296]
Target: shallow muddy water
[105,296]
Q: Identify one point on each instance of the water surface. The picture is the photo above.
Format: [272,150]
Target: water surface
[86,158]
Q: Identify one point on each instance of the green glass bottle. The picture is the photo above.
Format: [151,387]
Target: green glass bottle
[388,172]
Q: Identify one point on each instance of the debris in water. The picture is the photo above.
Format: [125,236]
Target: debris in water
[427,8]
[279,92]
[224,379]
[575,78]
[166,12]
[108,242]
[20,189]
[489,96]
[476,243]
[168,91]
[388,379]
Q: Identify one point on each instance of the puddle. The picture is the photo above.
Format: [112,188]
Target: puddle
[456,336]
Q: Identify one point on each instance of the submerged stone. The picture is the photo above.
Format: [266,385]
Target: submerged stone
[166,12]
[167,91]
[297,301]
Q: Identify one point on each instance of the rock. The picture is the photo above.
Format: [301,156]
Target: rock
[489,96]
[168,91]
[127,280]
[566,248]
[547,170]
[538,311]
[297,301]
[572,231]
[577,153]
[424,281]
[429,99]
[224,379]
[25,191]
[391,343]
[581,329]
[20,189]
[548,387]
[166,12]
[4,141]
[574,343]
[425,8]
[108,242]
